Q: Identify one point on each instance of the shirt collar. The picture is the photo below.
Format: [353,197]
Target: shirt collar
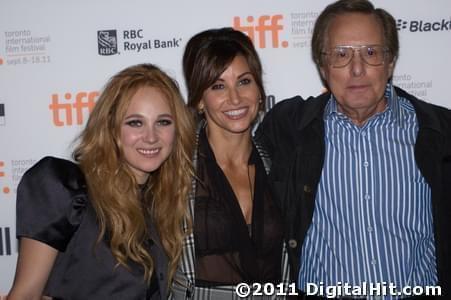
[392,111]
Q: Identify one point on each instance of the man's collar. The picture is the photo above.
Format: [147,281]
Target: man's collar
[392,106]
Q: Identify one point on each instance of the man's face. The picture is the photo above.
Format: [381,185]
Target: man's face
[356,86]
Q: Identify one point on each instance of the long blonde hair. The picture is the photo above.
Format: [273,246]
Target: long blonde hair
[122,210]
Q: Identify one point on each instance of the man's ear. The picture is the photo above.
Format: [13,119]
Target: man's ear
[322,71]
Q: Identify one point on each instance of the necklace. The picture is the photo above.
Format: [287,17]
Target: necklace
[251,190]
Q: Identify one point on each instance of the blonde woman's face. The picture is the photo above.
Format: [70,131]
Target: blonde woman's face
[147,132]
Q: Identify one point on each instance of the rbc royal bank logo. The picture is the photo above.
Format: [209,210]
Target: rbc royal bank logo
[107,41]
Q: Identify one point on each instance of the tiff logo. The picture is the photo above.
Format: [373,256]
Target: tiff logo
[5,189]
[2,164]
[63,113]
[107,42]
[265,24]
[5,241]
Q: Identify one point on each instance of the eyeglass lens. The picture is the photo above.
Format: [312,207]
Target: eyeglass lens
[341,56]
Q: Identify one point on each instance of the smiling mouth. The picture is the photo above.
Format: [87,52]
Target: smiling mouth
[149,152]
[236,113]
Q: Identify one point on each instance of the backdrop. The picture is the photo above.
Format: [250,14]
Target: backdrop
[55,56]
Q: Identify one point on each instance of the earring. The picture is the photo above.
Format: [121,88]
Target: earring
[200,109]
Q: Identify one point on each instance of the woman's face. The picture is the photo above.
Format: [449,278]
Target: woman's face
[231,103]
[147,132]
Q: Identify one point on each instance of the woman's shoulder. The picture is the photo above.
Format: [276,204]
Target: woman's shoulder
[57,169]
[51,201]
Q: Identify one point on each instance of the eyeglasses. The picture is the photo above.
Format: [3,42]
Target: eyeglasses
[341,56]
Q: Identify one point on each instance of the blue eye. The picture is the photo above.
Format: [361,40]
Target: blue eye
[134,123]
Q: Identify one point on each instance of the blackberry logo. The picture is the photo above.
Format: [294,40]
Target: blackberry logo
[107,41]
[5,241]
[401,24]
[2,114]
[424,26]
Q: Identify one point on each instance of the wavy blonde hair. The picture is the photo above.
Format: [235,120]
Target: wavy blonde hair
[123,211]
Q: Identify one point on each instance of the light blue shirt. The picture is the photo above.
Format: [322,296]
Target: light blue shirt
[372,220]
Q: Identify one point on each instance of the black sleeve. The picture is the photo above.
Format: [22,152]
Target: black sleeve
[277,124]
[51,201]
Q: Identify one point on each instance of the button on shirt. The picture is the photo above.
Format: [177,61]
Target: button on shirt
[372,220]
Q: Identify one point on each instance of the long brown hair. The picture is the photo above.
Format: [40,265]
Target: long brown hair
[122,209]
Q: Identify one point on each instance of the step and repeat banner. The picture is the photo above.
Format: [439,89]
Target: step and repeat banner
[55,57]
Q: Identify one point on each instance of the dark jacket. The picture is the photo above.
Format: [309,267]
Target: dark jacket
[54,207]
[293,133]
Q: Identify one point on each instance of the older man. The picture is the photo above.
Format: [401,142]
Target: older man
[362,173]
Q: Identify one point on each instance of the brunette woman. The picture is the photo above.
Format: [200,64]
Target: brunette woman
[237,228]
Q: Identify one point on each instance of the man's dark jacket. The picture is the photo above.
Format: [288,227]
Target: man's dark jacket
[293,132]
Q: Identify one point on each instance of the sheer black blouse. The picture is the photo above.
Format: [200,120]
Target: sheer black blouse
[228,250]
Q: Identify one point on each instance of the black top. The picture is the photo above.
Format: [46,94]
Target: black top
[53,207]
[228,250]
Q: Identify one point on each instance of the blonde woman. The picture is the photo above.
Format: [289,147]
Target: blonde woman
[109,225]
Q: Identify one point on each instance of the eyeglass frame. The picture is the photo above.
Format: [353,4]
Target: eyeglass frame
[358,48]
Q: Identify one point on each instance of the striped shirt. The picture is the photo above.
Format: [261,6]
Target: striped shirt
[372,221]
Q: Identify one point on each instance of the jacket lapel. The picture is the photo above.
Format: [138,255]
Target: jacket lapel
[188,254]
